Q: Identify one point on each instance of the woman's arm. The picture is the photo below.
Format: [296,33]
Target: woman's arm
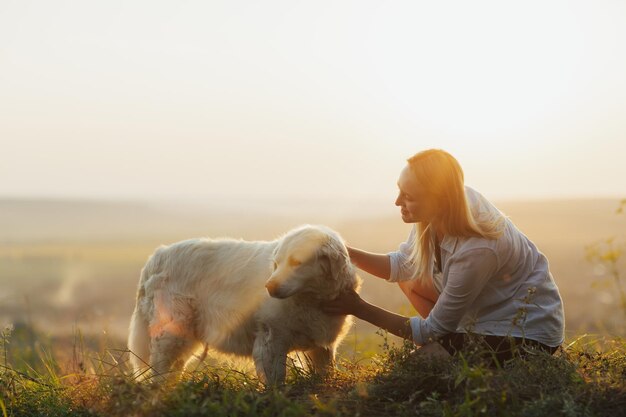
[351,303]
[466,280]
[374,263]
[393,266]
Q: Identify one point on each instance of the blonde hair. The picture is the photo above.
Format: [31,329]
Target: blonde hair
[441,176]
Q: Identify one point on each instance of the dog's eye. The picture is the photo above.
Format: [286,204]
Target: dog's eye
[294,262]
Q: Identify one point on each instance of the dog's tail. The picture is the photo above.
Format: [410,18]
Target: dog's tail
[139,344]
[139,329]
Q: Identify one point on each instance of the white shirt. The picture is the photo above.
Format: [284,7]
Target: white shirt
[487,286]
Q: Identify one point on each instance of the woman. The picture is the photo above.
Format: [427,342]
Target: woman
[465,268]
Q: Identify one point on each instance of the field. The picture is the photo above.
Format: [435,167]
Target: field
[68,272]
[586,378]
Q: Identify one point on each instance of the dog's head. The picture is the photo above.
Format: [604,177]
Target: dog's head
[312,260]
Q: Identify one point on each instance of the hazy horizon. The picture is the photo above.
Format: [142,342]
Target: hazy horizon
[219,201]
[338,208]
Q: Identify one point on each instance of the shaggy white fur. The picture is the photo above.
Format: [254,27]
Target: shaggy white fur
[258,299]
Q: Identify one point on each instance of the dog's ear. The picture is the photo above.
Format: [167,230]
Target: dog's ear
[334,258]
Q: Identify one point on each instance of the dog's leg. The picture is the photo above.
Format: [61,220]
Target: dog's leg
[169,353]
[322,359]
[172,333]
[270,356]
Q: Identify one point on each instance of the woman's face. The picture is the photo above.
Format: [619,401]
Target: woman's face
[414,202]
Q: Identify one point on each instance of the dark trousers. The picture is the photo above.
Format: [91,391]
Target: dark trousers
[500,348]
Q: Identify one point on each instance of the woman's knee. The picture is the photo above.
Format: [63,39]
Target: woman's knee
[424,289]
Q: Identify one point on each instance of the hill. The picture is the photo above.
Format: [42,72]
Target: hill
[53,250]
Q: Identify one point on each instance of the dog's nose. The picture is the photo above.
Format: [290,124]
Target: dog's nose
[271,287]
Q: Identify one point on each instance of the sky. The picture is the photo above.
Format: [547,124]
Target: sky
[320,100]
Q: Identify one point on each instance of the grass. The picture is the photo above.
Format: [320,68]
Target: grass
[586,378]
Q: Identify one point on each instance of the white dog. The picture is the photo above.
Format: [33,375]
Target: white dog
[258,299]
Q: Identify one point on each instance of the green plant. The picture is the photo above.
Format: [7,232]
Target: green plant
[586,378]
[607,255]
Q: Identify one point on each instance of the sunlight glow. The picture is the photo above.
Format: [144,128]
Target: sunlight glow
[206,99]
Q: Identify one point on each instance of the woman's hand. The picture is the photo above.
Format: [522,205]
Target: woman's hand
[348,302]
